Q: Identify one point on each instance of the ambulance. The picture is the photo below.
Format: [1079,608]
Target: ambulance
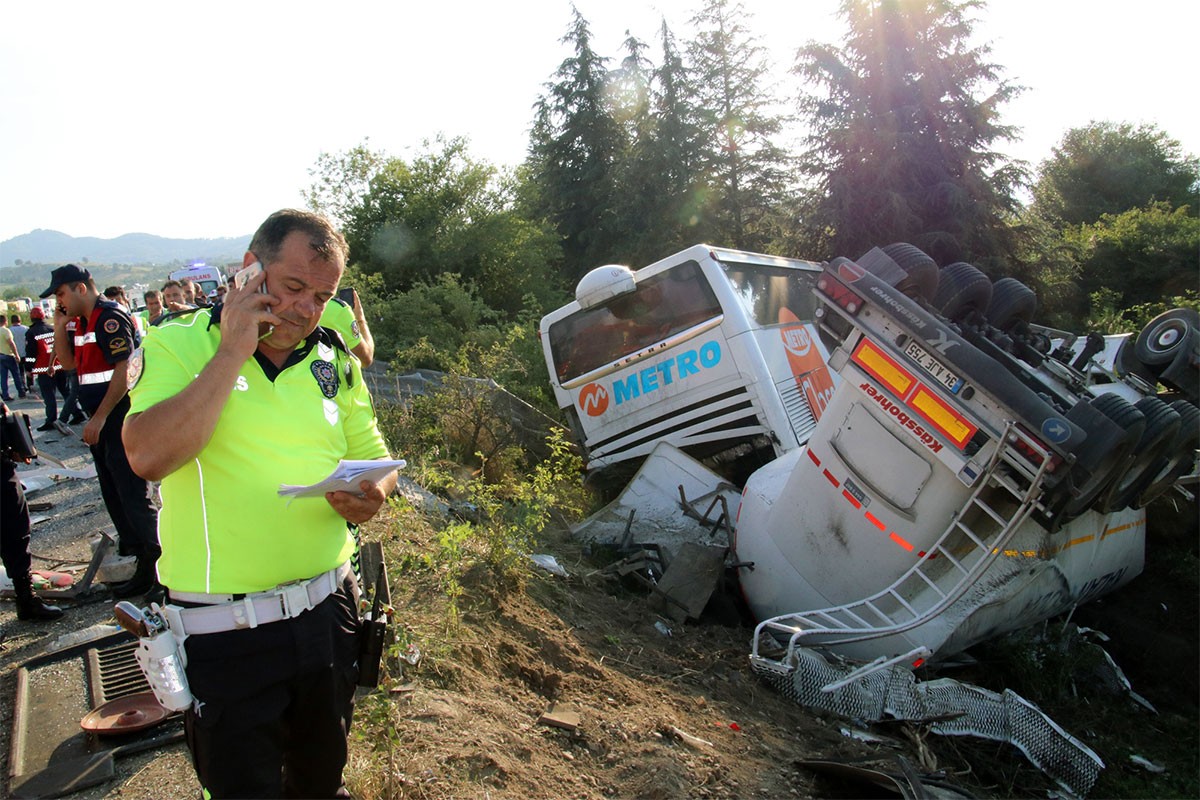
[206,277]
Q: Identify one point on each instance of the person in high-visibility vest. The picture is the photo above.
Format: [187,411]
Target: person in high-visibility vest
[228,404]
[103,341]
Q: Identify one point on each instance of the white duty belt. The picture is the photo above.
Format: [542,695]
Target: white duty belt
[285,601]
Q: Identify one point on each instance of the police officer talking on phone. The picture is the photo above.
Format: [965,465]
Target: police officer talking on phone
[228,404]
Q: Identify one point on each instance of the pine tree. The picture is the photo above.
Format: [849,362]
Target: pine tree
[574,147]
[661,189]
[746,170]
[903,119]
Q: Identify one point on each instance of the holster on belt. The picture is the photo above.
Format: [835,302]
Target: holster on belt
[373,635]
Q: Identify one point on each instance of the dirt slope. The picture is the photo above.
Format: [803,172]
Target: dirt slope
[658,716]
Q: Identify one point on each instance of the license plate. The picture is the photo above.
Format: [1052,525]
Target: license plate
[935,368]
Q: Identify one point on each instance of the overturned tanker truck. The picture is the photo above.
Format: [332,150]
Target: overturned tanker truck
[921,466]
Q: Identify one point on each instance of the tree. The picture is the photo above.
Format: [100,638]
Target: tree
[445,212]
[1143,254]
[341,179]
[1110,168]
[745,168]
[904,115]
[660,181]
[574,147]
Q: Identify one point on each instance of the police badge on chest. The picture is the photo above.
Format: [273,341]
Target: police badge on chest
[327,378]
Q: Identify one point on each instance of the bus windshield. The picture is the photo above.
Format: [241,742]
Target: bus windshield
[662,306]
[773,295]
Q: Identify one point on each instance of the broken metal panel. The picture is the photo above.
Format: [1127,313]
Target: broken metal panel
[658,516]
[954,708]
[691,579]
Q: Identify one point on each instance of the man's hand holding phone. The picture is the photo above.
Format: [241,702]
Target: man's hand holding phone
[246,317]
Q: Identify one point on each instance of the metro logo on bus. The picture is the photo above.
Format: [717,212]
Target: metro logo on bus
[797,341]
[594,398]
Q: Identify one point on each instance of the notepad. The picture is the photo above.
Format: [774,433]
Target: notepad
[345,478]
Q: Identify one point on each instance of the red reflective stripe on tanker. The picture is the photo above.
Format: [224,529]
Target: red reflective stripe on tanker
[852,500]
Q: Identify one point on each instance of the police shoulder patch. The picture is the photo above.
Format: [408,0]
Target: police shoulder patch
[134,367]
[327,378]
[112,325]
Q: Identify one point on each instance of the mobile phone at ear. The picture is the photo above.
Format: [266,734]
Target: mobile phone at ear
[346,295]
[243,276]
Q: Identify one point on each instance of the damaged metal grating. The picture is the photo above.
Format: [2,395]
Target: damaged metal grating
[113,672]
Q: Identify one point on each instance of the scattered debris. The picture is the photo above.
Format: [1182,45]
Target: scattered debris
[662,628]
[549,563]
[1147,765]
[421,498]
[88,634]
[561,716]
[691,580]
[863,736]
[904,782]
[687,738]
[955,709]
[35,480]
[654,493]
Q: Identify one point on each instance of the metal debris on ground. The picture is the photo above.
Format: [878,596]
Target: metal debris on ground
[691,580]
[955,709]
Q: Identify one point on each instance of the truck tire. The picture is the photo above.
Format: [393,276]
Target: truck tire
[1012,302]
[1162,427]
[1091,479]
[1179,457]
[1127,363]
[922,271]
[1165,336]
[961,289]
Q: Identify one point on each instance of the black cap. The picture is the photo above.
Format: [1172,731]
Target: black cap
[68,274]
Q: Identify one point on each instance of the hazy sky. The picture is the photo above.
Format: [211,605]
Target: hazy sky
[198,120]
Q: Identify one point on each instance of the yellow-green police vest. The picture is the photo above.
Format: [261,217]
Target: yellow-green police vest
[223,526]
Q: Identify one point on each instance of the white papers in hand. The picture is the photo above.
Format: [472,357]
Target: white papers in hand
[345,478]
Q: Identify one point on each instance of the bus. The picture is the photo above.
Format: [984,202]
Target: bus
[711,349]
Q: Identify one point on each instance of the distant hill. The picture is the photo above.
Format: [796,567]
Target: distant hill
[52,247]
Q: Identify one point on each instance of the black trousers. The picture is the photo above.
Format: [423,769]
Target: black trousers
[273,704]
[126,496]
[47,385]
[14,523]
